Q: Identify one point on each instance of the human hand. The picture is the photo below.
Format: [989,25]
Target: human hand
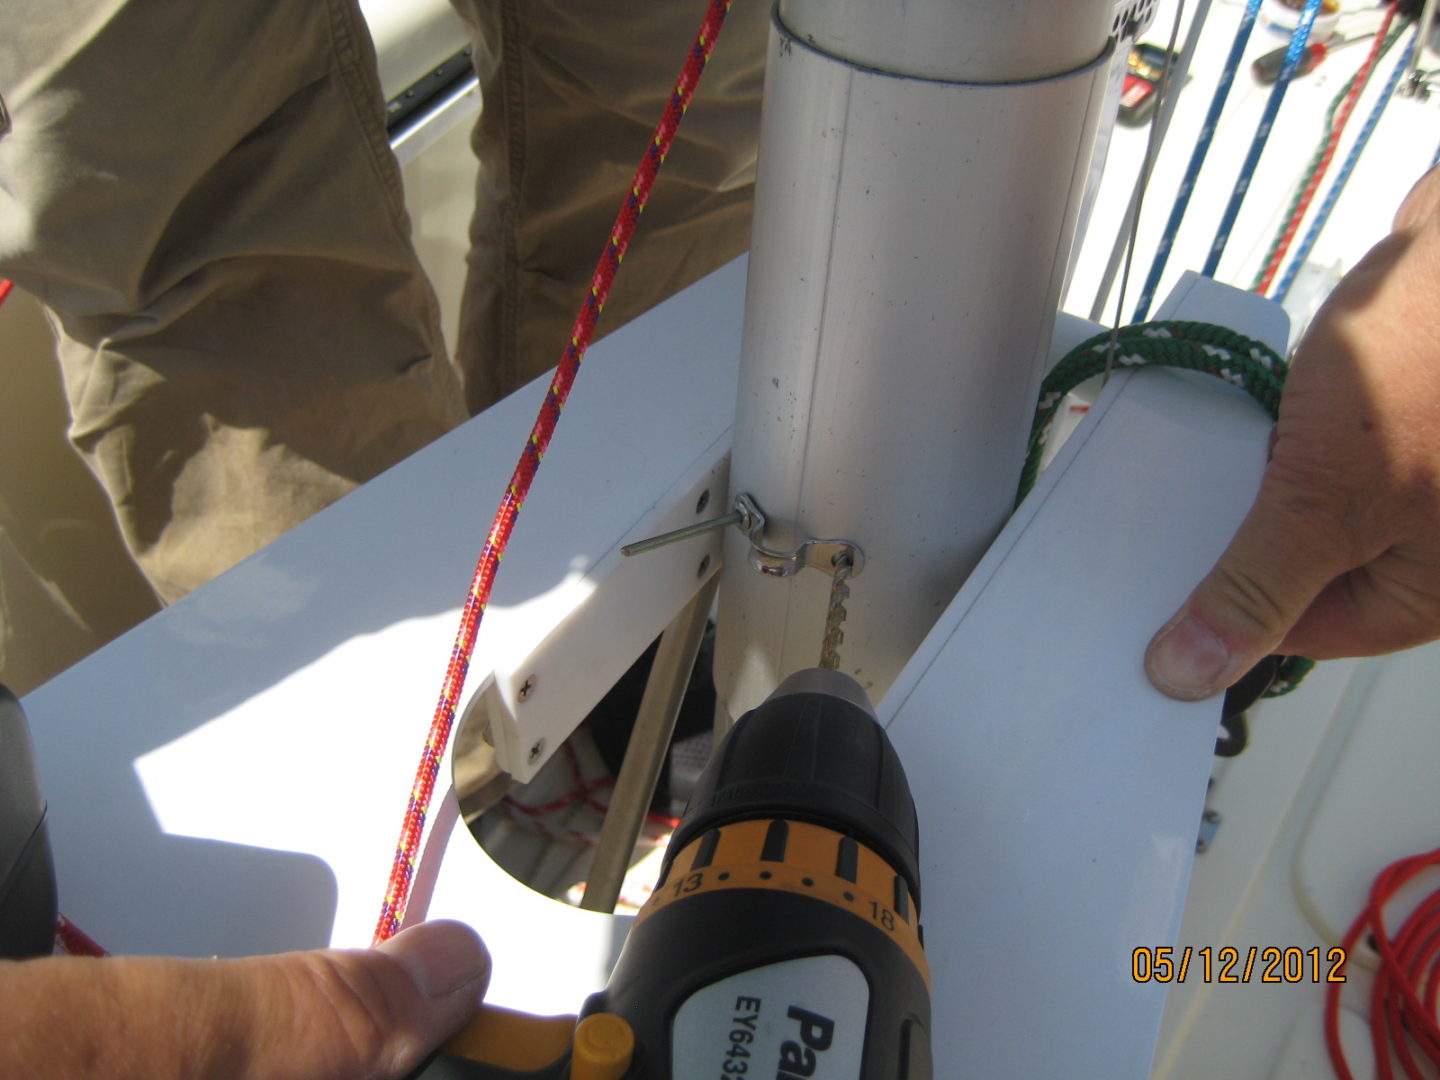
[341,1014]
[1340,553]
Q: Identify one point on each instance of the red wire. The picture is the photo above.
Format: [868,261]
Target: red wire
[397,891]
[5,287]
[1341,119]
[582,789]
[1401,1021]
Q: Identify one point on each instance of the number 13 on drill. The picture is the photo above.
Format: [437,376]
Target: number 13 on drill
[782,940]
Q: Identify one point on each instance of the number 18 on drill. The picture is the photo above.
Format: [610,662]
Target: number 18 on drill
[783,938]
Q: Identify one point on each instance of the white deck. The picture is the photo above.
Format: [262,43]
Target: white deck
[227,778]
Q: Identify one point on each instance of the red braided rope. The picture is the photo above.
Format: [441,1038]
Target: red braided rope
[397,891]
[74,941]
[1313,185]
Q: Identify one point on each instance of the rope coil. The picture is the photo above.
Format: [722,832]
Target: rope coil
[1403,1000]
[1192,346]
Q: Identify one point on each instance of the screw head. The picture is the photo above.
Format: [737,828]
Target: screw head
[527,687]
[536,751]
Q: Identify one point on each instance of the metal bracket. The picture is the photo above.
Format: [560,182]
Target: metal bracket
[1415,84]
[1209,826]
[824,555]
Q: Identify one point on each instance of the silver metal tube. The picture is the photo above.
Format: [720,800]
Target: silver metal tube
[908,248]
[645,754]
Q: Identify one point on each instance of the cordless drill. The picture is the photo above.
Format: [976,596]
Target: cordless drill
[783,937]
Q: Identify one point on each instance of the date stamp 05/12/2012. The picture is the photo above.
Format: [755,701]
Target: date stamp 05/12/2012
[1231,964]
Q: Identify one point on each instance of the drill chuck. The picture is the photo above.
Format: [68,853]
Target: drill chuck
[812,752]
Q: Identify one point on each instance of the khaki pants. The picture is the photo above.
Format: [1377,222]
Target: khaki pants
[202,196]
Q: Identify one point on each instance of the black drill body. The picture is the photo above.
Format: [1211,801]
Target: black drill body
[27,875]
[782,939]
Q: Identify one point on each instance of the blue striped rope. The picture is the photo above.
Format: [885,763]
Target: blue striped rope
[1293,55]
[1322,215]
[1197,159]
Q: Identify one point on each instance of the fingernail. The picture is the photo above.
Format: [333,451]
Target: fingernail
[441,957]
[1187,659]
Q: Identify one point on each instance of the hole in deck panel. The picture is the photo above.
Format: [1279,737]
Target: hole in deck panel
[544,833]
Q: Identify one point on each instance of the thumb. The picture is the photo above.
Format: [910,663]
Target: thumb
[357,1012]
[1278,562]
[317,1015]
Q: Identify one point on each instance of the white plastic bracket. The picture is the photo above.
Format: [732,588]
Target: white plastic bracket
[551,673]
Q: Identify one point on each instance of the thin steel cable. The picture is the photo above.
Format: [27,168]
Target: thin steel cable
[1164,113]
[1197,159]
[1293,55]
[397,891]
[1166,89]
[1427,21]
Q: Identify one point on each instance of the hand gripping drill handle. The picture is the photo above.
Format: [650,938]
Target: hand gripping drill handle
[782,939]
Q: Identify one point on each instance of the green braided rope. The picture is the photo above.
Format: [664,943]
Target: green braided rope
[1194,346]
[1237,359]
[1304,181]
[1289,675]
